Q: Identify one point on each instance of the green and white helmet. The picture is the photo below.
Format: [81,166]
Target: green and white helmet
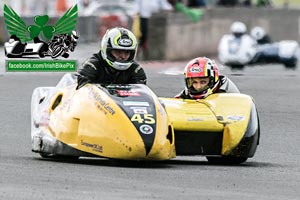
[122,39]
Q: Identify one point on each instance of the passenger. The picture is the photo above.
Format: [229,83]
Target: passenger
[115,62]
[260,35]
[202,78]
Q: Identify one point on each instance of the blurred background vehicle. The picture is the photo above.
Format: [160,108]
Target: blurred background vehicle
[239,49]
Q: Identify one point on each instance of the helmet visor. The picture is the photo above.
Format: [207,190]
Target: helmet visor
[198,84]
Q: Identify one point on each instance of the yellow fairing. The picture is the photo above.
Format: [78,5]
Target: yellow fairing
[89,120]
[227,113]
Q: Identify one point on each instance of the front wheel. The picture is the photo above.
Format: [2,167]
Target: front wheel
[227,160]
[57,51]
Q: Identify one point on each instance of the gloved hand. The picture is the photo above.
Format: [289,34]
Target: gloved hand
[81,81]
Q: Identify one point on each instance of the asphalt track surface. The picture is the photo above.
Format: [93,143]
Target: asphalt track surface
[273,173]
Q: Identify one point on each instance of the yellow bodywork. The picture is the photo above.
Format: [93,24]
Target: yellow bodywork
[225,112]
[89,120]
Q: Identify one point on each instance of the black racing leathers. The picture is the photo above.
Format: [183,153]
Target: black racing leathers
[265,40]
[97,70]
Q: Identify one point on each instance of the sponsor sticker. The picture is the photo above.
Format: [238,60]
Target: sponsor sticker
[194,119]
[135,103]
[146,129]
[195,69]
[139,110]
[127,93]
[95,147]
[101,104]
[235,117]
[125,42]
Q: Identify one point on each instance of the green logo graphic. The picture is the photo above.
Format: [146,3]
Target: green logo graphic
[16,26]
[48,40]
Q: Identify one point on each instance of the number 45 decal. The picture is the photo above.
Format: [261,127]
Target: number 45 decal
[143,118]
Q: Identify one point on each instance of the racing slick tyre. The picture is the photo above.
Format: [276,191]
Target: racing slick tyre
[227,160]
[237,66]
[290,65]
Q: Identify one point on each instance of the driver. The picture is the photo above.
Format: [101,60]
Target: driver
[238,29]
[202,78]
[115,63]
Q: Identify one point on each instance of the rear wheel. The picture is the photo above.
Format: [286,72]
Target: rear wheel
[290,65]
[237,66]
[227,160]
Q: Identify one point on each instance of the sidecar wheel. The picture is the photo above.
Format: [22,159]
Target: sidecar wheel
[226,160]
